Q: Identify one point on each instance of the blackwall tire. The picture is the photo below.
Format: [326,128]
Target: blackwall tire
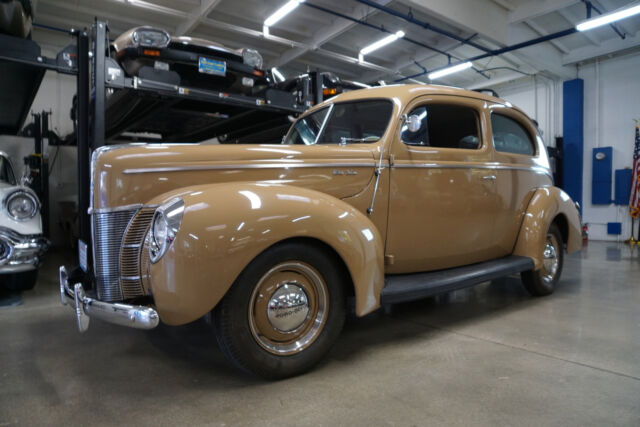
[284,312]
[543,281]
[20,281]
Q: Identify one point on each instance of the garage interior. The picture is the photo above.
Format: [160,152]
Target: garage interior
[487,355]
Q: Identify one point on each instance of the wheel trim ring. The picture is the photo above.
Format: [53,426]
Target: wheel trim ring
[264,290]
[550,259]
[273,340]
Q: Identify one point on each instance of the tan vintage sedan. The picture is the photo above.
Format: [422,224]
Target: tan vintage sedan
[376,196]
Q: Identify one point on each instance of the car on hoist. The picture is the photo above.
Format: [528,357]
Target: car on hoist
[21,241]
[376,196]
[151,53]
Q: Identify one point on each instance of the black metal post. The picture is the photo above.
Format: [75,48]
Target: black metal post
[37,134]
[98,85]
[44,176]
[82,137]
[316,86]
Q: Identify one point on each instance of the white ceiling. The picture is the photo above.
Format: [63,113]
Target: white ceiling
[312,39]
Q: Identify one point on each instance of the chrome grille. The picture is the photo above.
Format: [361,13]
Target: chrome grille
[108,230]
[132,243]
[118,240]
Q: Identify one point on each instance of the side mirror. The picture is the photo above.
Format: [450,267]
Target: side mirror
[414,123]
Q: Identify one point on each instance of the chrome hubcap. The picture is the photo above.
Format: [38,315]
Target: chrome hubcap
[288,307]
[550,259]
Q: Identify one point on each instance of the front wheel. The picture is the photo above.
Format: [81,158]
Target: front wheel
[22,281]
[284,312]
[543,281]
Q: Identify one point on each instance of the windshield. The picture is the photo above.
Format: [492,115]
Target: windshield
[6,173]
[346,122]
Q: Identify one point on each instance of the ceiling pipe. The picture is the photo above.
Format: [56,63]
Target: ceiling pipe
[384,30]
[426,25]
[375,27]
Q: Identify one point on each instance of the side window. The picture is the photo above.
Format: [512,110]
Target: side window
[443,125]
[361,121]
[509,136]
[306,130]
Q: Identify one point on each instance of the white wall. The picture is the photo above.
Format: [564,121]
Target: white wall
[611,102]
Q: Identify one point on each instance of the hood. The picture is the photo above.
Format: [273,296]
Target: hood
[137,173]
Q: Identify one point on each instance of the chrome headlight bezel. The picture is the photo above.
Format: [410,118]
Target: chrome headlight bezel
[168,216]
[252,58]
[136,38]
[35,204]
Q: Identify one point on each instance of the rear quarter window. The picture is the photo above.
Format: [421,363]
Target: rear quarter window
[509,136]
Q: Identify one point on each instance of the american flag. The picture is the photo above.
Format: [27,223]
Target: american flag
[634,204]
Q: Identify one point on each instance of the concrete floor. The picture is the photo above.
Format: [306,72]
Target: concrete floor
[490,355]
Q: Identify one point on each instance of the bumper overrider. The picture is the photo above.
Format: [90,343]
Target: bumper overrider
[20,253]
[133,316]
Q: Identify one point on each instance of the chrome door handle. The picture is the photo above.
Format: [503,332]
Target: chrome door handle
[489,177]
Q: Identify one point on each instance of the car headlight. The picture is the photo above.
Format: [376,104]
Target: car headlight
[252,58]
[164,228]
[151,37]
[21,205]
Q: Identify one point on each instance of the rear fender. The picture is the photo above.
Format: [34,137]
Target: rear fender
[225,226]
[545,206]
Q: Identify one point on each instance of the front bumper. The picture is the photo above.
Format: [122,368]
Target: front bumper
[133,316]
[20,253]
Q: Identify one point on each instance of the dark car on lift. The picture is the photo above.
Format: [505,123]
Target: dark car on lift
[152,53]
[16,17]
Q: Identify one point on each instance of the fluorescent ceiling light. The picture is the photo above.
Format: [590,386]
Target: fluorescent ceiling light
[282,12]
[380,43]
[449,70]
[278,74]
[608,18]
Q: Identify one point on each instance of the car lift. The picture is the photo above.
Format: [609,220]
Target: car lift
[103,88]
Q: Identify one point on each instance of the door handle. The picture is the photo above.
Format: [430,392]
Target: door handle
[489,178]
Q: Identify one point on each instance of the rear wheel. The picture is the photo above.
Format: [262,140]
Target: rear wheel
[543,281]
[284,311]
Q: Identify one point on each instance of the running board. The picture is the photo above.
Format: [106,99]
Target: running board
[408,287]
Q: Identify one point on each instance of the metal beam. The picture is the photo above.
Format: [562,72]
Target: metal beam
[191,22]
[535,8]
[325,35]
[492,83]
[606,48]
[476,16]
[586,34]
[542,32]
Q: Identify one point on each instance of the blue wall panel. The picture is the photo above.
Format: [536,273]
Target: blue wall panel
[623,186]
[602,175]
[573,133]
[614,228]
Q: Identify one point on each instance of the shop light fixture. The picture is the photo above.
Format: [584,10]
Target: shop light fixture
[278,74]
[279,14]
[449,70]
[608,18]
[380,43]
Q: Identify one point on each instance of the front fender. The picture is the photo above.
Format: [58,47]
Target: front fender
[545,206]
[225,226]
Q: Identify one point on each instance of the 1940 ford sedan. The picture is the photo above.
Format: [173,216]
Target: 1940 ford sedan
[378,196]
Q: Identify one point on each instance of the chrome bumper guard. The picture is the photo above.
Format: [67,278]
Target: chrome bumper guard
[133,316]
[20,253]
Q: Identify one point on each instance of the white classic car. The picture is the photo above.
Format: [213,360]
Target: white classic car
[21,240]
